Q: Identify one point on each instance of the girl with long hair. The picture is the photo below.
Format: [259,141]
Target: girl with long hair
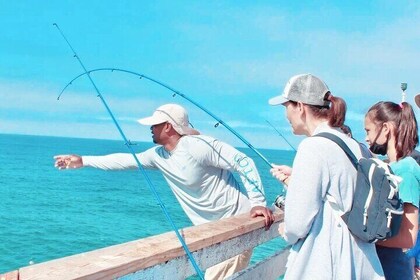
[391,130]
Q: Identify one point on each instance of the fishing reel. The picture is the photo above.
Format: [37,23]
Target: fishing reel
[280,201]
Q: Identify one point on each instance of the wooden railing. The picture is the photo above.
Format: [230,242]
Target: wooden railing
[162,256]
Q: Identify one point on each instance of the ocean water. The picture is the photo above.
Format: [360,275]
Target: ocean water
[47,214]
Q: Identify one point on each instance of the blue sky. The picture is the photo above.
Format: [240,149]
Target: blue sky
[229,56]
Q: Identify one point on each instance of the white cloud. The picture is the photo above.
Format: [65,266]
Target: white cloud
[235,59]
[373,60]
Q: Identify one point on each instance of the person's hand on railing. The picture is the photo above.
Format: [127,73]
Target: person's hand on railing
[263,211]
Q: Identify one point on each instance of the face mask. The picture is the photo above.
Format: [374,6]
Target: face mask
[379,149]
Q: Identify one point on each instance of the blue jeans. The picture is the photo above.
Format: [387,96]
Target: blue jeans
[395,263]
[415,251]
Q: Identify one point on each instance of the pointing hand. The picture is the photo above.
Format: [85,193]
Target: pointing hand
[68,161]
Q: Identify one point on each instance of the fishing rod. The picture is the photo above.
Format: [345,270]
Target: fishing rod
[280,199]
[142,76]
[128,144]
[281,135]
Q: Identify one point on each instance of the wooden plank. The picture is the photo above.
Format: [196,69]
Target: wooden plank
[12,275]
[181,268]
[130,257]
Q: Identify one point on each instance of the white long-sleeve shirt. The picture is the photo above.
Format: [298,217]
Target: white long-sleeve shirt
[199,172]
[322,248]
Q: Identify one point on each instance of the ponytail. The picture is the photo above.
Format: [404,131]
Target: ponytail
[335,113]
[407,131]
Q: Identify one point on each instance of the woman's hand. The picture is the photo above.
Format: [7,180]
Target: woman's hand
[281,173]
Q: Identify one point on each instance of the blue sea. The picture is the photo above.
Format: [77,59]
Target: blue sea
[47,214]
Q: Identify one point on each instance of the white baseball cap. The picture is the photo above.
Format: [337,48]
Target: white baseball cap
[305,88]
[173,114]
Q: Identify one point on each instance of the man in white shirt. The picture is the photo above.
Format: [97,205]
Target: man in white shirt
[198,169]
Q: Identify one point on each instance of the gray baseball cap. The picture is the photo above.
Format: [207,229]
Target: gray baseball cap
[417,99]
[305,88]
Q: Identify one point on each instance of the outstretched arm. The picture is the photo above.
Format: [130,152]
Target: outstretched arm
[117,161]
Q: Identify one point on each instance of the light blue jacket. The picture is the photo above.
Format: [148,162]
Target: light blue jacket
[322,248]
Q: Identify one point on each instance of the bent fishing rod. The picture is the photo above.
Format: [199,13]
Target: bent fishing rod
[175,92]
[128,144]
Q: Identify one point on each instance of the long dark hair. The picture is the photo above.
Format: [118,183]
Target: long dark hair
[335,113]
[405,123]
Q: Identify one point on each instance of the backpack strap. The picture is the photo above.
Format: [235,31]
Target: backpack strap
[393,179]
[332,203]
[342,145]
[365,151]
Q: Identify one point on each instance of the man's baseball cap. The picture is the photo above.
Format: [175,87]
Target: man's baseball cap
[173,114]
[305,88]
[417,99]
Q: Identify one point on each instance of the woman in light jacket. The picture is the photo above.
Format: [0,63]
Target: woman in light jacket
[321,247]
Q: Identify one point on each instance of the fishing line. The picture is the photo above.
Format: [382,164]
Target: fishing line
[281,135]
[280,199]
[175,92]
[127,143]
